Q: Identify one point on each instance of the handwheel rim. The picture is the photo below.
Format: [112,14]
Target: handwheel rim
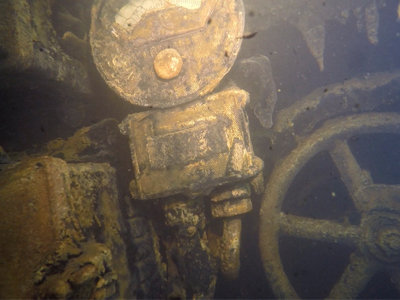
[283,175]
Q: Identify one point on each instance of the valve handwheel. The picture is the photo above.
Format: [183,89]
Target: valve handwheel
[376,239]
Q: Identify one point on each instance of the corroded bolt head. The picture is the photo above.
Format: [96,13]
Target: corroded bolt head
[168,63]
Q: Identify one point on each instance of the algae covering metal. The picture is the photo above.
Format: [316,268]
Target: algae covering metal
[192,148]
[192,270]
[61,231]
[376,240]
[127,37]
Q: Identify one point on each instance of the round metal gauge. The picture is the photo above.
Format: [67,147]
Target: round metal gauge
[163,53]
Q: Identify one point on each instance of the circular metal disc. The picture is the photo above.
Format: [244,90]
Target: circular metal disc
[127,35]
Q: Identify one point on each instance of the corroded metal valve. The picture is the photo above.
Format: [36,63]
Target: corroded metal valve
[183,154]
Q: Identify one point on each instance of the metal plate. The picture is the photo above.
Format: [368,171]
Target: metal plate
[127,36]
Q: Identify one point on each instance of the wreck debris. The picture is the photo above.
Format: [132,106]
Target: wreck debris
[309,17]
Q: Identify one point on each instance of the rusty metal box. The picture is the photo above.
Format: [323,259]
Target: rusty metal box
[45,202]
[192,148]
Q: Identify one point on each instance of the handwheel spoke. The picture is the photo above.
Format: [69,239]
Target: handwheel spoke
[355,277]
[322,230]
[352,175]
[379,243]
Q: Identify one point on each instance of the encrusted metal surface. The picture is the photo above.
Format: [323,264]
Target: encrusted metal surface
[229,201]
[30,48]
[127,36]
[190,264]
[230,248]
[54,216]
[192,148]
[376,239]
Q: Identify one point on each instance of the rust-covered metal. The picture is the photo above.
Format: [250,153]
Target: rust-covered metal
[192,271]
[60,230]
[191,149]
[376,239]
[231,201]
[127,37]
[228,202]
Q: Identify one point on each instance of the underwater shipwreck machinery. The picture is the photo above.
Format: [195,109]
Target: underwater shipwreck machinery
[50,245]
[376,238]
[191,153]
[151,207]
[371,231]
[46,60]
[63,211]
[168,56]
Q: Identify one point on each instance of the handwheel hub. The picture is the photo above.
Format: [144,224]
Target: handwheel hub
[383,235]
